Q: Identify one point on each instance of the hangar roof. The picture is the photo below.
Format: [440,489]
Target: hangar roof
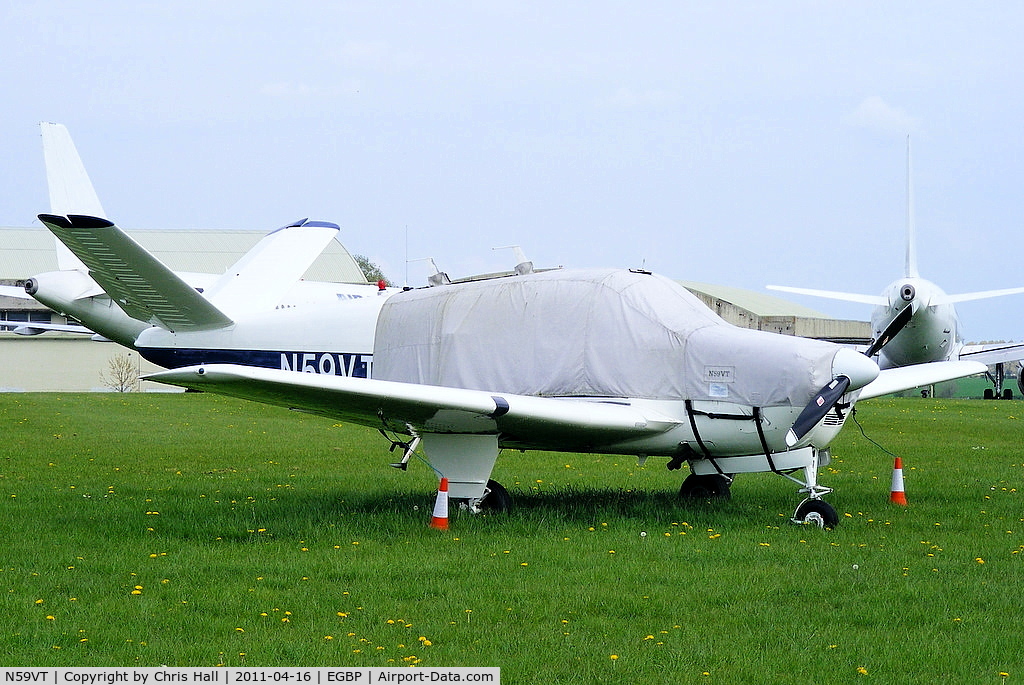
[759,304]
[28,251]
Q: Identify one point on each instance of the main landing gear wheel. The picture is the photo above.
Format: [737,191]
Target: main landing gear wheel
[496,499]
[713,486]
[816,512]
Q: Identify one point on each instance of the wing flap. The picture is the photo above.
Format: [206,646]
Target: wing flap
[136,280]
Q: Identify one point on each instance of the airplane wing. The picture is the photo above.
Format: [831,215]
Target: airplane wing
[993,353]
[407,407]
[917,375]
[265,273]
[136,280]
[832,295]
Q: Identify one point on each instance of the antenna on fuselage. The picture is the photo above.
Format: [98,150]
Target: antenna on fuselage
[911,267]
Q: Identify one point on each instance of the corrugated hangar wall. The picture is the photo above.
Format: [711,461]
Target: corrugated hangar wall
[749,309]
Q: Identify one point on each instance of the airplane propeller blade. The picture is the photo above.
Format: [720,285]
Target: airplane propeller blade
[815,411]
[894,327]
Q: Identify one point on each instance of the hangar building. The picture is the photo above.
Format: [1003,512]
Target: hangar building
[68,362]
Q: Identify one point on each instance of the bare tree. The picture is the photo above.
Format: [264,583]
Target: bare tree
[122,374]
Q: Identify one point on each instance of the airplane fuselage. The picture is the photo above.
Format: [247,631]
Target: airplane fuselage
[331,334]
[318,327]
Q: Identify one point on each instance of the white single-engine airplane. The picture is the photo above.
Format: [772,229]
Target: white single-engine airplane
[915,322]
[607,361]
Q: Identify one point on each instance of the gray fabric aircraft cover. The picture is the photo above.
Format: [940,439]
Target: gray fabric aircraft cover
[590,333]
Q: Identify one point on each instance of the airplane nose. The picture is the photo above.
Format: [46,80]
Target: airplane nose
[860,369]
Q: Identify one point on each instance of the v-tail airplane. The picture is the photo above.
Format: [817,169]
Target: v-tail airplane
[915,322]
[258,312]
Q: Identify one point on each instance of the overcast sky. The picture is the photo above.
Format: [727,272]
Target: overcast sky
[741,143]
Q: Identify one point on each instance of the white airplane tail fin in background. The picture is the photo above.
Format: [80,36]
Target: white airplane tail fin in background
[911,266]
[71,191]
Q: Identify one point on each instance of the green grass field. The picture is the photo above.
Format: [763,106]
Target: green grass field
[195,530]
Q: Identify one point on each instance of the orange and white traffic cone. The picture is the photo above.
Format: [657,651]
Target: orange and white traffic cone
[898,496]
[440,518]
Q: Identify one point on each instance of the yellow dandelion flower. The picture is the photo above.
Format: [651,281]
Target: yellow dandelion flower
[39,601]
[50,618]
[862,670]
[614,657]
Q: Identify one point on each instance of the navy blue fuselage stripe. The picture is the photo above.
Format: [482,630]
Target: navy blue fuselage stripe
[330,363]
[500,406]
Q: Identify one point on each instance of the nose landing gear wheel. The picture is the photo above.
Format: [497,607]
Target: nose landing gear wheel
[816,512]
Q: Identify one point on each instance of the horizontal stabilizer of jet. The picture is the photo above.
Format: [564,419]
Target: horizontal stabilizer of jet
[15,292]
[36,327]
[981,295]
[875,300]
[136,280]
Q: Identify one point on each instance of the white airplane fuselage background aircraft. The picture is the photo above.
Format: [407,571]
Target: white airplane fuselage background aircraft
[915,322]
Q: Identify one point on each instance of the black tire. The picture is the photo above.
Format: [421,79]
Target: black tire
[712,486]
[817,511]
[989,394]
[1007,394]
[497,500]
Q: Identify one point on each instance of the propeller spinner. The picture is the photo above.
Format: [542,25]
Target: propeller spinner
[850,371]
